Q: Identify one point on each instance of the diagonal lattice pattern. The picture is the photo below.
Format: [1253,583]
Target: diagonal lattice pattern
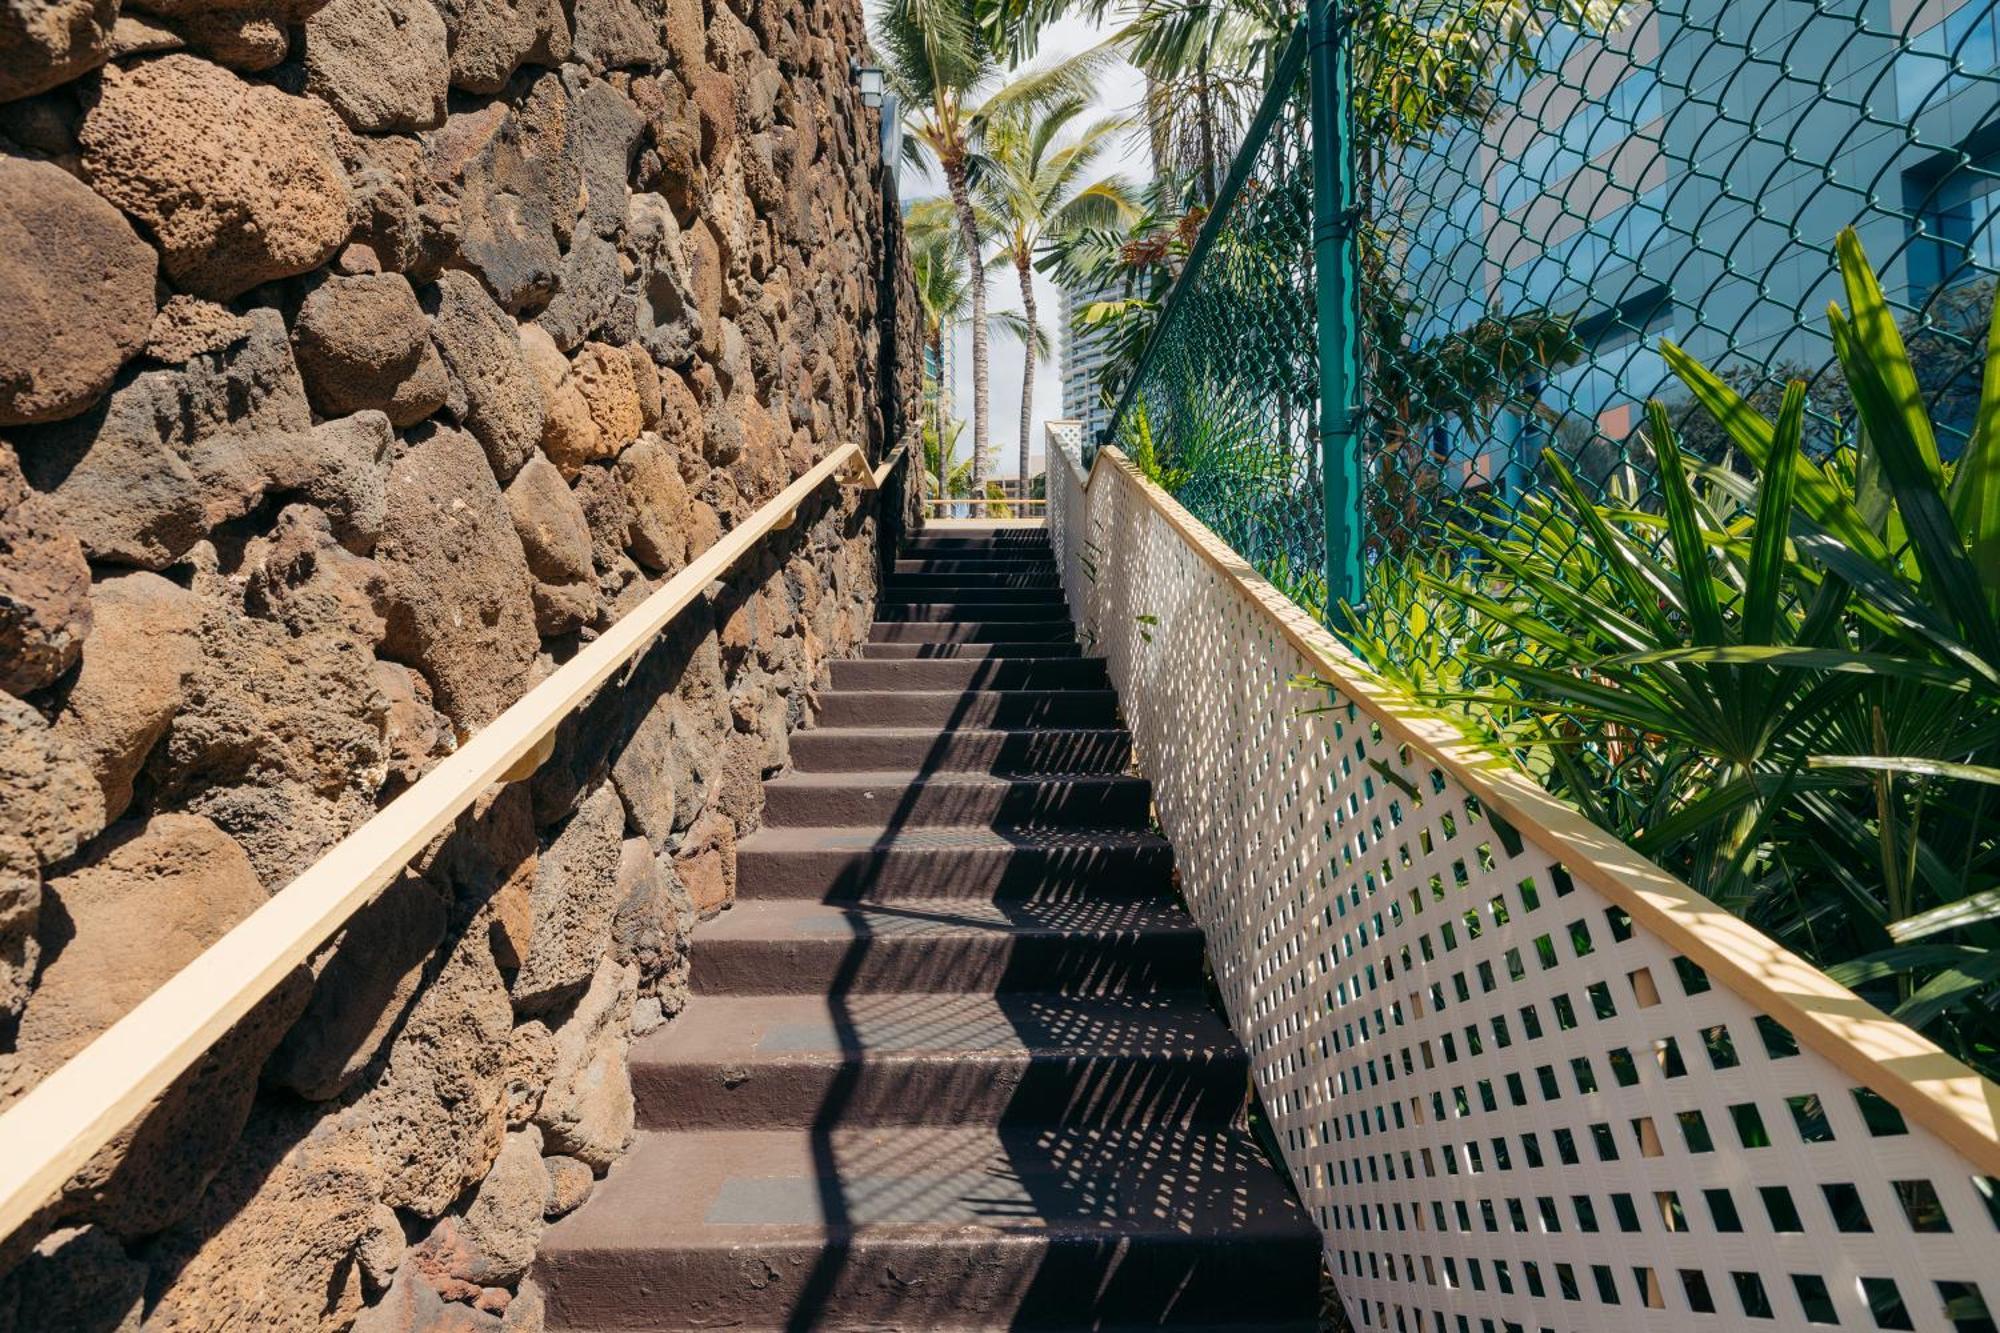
[1508,1100]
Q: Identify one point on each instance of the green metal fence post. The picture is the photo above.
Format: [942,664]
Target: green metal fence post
[1337,282]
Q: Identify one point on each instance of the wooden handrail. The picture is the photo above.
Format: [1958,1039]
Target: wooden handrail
[52,1133]
[1927,1084]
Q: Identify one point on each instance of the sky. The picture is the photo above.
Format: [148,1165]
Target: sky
[1120,93]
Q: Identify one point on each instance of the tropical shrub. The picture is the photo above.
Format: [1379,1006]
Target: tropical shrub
[1785,687]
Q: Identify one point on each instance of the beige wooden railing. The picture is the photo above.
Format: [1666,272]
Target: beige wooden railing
[51,1133]
[1522,1077]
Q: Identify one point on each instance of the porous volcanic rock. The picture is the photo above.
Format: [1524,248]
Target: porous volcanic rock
[77,285]
[237,182]
[143,650]
[437,1114]
[493,1241]
[556,539]
[20,910]
[186,326]
[569,432]
[657,500]
[150,899]
[603,375]
[275,1240]
[363,342]
[44,43]
[461,605]
[482,351]
[364,984]
[382,64]
[575,897]
[77,1280]
[143,475]
[45,609]
[588,1112]
[48,796]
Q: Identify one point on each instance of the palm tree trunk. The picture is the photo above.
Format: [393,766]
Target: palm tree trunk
[1205,116]
[1027,363]
[968,229]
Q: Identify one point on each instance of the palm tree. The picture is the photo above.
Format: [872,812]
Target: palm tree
[1034,186]
[948,73]
[937,259]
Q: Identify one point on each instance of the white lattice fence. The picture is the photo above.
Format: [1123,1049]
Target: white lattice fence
[1523,1079]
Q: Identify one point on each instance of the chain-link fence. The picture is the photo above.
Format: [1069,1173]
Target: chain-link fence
[1223,410]
[1546,191]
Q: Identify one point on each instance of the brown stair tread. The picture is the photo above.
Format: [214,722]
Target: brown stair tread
[803,919]
[901,1024]
[948,838]
[943,1185]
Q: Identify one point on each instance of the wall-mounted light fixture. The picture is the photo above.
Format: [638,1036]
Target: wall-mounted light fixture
[868,78]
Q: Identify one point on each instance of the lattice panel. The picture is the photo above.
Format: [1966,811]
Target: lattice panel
[1508,1106]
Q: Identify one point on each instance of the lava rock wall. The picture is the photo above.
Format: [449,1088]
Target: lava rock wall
[359,361]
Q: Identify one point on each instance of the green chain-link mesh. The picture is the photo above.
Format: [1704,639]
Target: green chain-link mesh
[1224,410]
[1674,171]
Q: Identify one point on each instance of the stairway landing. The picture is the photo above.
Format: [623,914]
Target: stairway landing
[949,1063]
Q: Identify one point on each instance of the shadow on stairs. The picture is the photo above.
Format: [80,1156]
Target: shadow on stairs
[949,1063]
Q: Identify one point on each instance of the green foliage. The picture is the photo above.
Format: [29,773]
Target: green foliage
[1785,688]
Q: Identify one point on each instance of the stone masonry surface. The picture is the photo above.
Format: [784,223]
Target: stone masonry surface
[359,360]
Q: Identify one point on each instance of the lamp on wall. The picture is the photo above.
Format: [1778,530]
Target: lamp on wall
[868,78]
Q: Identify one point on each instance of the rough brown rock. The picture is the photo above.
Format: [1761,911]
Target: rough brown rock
[461,602]
[20,911]
[706,863]
[588,1111]
[139,912]
[505,189]
[575,896]
[382,64]
[482,351]
[363,342]
[570,1183]
[603,375]
[346,474]
[489,39]
[143,475]
[45,610]
[655,916]
[77,1280]
[186,326]
[416,734]
[569,432]
[281,739]
[274,1242]
[48,795]
[437,1112]
[143,649]
[76,283]
[364,984]
[657,500]
[493,1241]
[413,1305]
[48,42]
[616,34]
[238,182]
[556,540]
[150,900]
[531,1054]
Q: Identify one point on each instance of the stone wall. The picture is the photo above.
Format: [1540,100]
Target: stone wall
[359,360]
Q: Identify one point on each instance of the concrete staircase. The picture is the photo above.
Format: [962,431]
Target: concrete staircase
[949,1064]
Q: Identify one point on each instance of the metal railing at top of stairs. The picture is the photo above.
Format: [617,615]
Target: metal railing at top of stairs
[53,1131]
[1520,1075]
